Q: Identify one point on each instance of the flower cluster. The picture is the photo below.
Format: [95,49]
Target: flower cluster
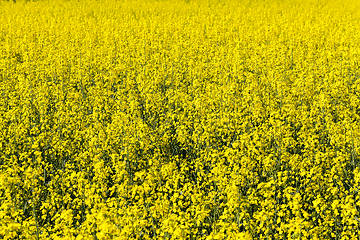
[185,119]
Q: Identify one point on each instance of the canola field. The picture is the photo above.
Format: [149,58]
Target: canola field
[181,119]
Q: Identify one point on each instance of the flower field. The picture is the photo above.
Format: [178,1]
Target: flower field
[181,119]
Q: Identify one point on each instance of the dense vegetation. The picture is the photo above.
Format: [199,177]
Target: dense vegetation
[202,119]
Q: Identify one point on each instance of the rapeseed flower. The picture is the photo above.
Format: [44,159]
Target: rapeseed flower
[179,120]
